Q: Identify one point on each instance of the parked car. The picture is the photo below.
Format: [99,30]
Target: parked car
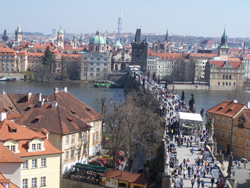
[96,163]
[103,161]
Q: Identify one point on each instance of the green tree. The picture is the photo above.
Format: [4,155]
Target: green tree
[47,62]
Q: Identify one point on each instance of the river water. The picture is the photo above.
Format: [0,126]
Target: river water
[88,94]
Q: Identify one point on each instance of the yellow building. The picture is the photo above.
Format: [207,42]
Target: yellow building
[70,125]
[224,116]
[41,167]
[241,135]
[118,178]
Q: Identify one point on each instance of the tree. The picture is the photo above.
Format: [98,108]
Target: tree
[47,59]
[74,70]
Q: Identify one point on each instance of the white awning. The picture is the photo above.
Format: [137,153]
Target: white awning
[189,116]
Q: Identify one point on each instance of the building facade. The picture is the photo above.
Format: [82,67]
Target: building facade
[41,166]
[95,66]
[225,117]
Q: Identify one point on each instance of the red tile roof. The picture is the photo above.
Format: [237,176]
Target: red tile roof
[22,133]
[227,108]
[247,114]
[219,64]
[235,64]
[4,180]
[125,176]
[8,156]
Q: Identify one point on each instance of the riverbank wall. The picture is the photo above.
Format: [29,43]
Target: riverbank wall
[11,74]
[188,87]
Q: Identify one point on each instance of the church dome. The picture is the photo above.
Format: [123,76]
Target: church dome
[97,39]
[117,43]
[60,31]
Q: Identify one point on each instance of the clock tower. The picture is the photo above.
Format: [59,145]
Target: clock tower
[223,50]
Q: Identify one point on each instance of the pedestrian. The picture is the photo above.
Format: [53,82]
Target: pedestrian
[198,182]
[245,164]
[239,164]
[192,182]
[194,176]
[202,183]
[212,181]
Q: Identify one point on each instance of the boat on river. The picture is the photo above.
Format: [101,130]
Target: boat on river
[107,84]
[3,78]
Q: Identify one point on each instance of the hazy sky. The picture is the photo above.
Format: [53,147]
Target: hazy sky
[181,17]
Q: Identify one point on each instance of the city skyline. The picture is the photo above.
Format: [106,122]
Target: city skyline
[193,18]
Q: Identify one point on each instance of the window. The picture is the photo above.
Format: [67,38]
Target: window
[91,63]
[25,164]
[223,133]
[98,59]
[67,139]
[33,147]
[84,136]
[13,148]
[79,136]
[25,183]
[222,145]
[84,149]
[38,146]
[105,59]
[247,133]
[218,83]
[218,119]
[33,182]
[91,74]
[43,181]
[105,64]
[43,162]
[72,139]
[246,153]
[79,152]
[229,122]
[217,132]
[34,163]
[234,130]
[85,58]
[233,140]
[91,69]
[96,137]
[223,121]
[72,153]
[232,149]
[67,155]
[229,134]
[98,64]
[97,69]
[247,143]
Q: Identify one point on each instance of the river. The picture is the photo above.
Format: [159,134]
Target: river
[88,94]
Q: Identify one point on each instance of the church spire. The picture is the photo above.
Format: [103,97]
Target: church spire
[166,38]
[224,39]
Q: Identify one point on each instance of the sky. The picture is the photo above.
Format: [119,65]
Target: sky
[181,17]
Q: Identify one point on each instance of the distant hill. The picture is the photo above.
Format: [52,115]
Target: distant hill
[34,34]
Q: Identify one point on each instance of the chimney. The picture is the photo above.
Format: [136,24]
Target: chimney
[38,97]
[29,96]
[235,101]
[65,89]
[56,90]
[54,104]
[3,93]
[248,105]
[3,116]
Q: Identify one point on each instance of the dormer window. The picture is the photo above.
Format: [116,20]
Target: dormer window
[33,147]
[13,148]
[38,147]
